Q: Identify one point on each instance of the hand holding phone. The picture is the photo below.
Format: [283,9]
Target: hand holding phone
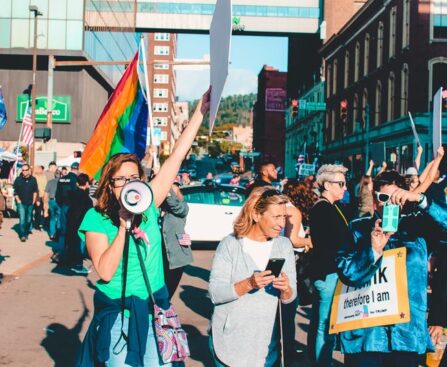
[275,266]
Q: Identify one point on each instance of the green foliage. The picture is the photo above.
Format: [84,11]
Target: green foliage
[234,110]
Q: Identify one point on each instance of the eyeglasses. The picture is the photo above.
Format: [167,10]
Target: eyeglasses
[25,169]
[382,197]
[340,183]
[120,181]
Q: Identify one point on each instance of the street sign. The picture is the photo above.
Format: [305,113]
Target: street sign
[61,108]
[315,106]
[250,154]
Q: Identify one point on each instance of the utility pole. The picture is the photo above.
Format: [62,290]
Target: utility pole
[35,10]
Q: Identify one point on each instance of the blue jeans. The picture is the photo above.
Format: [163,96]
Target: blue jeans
[118,351]
[54,211]
[319,339]
[25,213]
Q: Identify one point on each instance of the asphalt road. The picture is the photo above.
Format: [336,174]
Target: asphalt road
[45,312]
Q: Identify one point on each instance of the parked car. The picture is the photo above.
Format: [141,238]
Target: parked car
[212,210]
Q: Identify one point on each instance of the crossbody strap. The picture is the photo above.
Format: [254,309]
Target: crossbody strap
[143,269]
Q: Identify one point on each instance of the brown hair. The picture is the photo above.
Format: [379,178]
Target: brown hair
[364,182]
[107,203]
[302,196]
[258,202]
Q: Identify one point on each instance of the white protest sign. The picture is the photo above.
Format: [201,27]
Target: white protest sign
[306,169]
[413,127]
[382,301]
[220,42]
[437,121]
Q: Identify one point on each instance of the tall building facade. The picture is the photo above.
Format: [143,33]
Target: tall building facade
[389,59]
[162,49]
[64,32]
[268,115]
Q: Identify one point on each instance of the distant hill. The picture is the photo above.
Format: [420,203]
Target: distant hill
[232,110]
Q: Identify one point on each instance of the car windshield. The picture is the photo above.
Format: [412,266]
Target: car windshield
[231,196]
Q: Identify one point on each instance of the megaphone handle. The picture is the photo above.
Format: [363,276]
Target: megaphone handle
[128,224]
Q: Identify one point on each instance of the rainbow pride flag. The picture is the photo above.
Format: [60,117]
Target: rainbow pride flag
[122,126]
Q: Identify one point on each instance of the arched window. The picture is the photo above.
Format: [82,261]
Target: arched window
[357,61]
[391,97]
[355,113]
[365,108]
[392,39]
[346,74]
[334,77]
[404,75]
[380,44]
[437,76]
[378,104]
[366,58]
[406,23]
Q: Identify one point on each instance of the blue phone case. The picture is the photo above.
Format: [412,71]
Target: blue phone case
[390,218]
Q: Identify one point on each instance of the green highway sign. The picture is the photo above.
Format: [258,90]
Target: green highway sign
[315,106]
[250,154]
[61,108]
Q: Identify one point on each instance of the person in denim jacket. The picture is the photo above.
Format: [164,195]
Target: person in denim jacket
[398,344]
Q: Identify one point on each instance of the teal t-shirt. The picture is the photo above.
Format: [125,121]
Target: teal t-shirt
[152,255]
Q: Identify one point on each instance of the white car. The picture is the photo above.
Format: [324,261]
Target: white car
[212,210]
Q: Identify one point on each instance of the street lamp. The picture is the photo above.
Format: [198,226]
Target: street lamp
[35,10]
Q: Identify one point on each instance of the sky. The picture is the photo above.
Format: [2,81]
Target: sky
[248,55]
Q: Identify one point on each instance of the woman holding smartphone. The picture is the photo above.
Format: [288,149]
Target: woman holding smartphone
[245,296]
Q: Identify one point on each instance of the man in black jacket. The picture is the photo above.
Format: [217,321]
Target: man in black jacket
[25,193]
[266,175]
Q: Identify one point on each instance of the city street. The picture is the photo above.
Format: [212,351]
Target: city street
[45,309]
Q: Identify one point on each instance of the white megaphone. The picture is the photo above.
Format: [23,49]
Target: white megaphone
[136,197]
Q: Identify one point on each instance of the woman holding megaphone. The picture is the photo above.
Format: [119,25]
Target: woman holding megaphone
[131,277]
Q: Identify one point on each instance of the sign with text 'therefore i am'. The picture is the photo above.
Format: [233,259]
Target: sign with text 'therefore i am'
[382,301]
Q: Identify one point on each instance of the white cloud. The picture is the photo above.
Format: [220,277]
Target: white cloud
[192,84]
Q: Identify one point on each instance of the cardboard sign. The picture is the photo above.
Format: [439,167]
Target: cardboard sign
[306,169]
[413,127]
[382,301]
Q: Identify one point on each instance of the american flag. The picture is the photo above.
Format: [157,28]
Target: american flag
[27,132]
[184,239]
[12,172]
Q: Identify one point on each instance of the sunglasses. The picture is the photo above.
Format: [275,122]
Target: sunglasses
[340,183]
[382,197]
[25,169]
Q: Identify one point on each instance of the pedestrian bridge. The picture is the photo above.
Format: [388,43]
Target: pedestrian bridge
[185,16]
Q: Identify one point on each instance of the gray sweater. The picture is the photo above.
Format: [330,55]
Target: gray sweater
[243,327]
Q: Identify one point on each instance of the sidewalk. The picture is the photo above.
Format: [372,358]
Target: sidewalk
[17,257]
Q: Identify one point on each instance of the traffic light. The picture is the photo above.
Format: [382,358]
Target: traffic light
[343,110]
[77,154]
[294,107]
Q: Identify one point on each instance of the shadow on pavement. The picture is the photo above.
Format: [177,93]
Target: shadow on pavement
[15,228]
[197,272]
[197,300]
[3,258]
[198,344]
[61,343]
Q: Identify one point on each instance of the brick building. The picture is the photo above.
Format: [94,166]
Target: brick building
[269,113]
[387,60]
[162,51]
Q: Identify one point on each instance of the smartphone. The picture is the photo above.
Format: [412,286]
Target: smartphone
[390,218]
[275,266]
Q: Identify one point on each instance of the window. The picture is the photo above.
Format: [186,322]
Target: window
[404,90]
[160,121]
[392,40]
[437,77]
[160,107]
[161,50]
[328,80]
[378,106]
[334,77]
[380,45]
[162,36]
[164,135]
[439,19]
[161,66]
[346,78]
[391,97]
[366,58]
[161,78]
[365,110]
[333,125]
[357,62]
[355,116]
[160,93]
[406,24]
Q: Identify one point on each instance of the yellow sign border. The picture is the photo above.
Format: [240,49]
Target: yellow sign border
[400,259]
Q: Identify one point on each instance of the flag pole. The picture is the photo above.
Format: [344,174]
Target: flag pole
[149,104]
[18,143]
